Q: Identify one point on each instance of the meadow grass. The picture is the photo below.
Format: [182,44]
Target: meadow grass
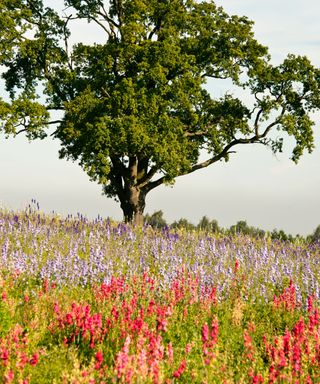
[100,302]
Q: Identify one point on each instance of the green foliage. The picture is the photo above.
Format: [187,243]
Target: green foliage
[183,224]
[282,236]
[156,220]
[135,111]
[5,319]
[241,227]
[209,226]
[315,237]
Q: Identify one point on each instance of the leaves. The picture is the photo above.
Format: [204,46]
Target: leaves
[23,114]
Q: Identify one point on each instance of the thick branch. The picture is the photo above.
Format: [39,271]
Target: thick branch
[117,164]
[143,182]
[223,154]
[204,164]
[143,163]
[133,169]
[256,122]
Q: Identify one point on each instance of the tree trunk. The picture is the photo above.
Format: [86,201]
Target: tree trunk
[132,204]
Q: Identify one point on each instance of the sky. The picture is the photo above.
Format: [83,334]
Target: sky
[268,191]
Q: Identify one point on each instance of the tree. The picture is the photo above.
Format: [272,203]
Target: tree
[280,235]
[183,224]
[315,237]
[206,225]
[241,227]
[135,112]
[156,220]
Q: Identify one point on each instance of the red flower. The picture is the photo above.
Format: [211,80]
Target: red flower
[236,266]
[35,359]
[4,356]
[180,370]
[69,319]
[257,379]
[99,357]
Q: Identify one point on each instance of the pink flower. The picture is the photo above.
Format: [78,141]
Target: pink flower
[188,348]
[34,360]
[8,377]
[4,356]
[180,370]
[56,308]
[214,330]
[122,358]
[205,333]
[296,358]
[23,360]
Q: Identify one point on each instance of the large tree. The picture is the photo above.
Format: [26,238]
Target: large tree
[135,112]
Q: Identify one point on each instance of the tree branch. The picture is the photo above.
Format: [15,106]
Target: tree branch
[55,108]
[66,42]
[116,179]
[110,33]
[223,154]
[26,126]
[195,134]
[147,178]
[256,122]
[117,164]
[21,131]
[156,27]
[54,122]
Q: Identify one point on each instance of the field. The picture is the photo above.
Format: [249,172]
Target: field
[99,302]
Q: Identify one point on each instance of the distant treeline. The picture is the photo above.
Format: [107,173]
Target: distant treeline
[156,220]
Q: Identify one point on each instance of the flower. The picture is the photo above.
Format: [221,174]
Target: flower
[180,370]
[34,359]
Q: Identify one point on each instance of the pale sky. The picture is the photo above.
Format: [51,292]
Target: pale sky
[265,190]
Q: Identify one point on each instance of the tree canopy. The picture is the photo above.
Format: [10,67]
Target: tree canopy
[135,110]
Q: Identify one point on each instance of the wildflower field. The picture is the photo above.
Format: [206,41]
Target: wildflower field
[98,302]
